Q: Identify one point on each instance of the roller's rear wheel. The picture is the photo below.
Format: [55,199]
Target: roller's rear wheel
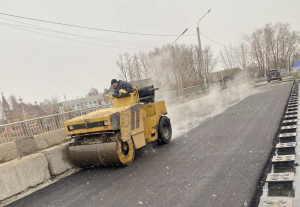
[125,152]
[164,130]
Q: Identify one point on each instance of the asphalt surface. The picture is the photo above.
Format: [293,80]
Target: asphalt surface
[215,164]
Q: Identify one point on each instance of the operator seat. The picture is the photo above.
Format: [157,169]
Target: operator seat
[147,94]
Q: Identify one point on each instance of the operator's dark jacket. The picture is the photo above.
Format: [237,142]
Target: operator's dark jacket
[123,85]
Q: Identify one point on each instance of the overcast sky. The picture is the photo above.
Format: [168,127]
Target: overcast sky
[40,66]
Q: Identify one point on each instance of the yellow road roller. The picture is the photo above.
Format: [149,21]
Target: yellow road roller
[110,136]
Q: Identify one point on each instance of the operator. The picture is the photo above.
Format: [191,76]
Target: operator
[121,88]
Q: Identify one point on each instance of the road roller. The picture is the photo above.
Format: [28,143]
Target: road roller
[110,136]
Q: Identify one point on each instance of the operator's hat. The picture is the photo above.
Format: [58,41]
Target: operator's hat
[113,81]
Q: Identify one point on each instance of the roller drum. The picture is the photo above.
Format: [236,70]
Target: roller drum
[103,154]
[114,153]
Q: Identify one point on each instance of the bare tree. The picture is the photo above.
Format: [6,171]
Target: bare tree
[242,56]
[293,48]
[12,100]
[50,105]
[210,61]
[257,51]
[136,67]
[93,92]
[123,70]
[227,57]
[145,64]
[174,67]
[273,46]
[128,66]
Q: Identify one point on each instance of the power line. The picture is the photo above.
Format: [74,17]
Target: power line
[91,28]
[83,36]
[244,41]
[69,39]
[105,30]
[212,40]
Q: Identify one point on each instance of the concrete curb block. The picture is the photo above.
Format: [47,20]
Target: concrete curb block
[8,151]
[58,159]
[18,175]
[26,146]
[50,139]
[12,150]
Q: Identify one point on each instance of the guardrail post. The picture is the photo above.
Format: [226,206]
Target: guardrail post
[25,130]
[57,122]
[42,124]
[69,115]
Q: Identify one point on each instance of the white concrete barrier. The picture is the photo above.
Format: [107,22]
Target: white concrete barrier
[18,175]
[26,146]
[58,159]
[8,151]
[50,139]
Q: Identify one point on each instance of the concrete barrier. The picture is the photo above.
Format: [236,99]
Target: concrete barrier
[58,159]
[50,139]
[26,146]
[18,175]
[8,151]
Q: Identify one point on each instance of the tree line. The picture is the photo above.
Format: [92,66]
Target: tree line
[274,46]
[175,67]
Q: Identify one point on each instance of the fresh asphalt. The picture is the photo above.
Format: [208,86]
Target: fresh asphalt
[215,164]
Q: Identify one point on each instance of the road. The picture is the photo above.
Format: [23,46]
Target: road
[287,78]
[215,164]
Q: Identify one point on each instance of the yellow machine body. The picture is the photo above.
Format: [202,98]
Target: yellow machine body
[97,138]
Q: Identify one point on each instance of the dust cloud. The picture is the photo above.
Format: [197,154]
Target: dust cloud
[190,114]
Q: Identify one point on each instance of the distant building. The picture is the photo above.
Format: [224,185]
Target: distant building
[82,103]
[21,112]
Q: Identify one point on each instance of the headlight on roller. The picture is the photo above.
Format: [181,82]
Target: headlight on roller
[105,123]
[70,128]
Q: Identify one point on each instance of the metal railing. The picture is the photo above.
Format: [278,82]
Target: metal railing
[29,128]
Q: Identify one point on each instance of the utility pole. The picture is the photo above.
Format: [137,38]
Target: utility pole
[200,57]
